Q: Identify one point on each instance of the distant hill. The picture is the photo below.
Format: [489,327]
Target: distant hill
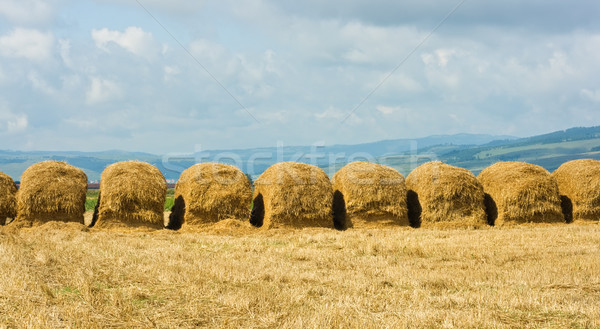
[548,150]
[13,163]
[471,151]
[253,161]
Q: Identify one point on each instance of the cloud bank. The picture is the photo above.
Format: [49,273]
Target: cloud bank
[98,75]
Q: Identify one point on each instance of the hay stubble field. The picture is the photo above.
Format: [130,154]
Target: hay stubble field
[64,275]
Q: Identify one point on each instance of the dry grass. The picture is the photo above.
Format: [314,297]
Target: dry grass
[51,190]
[209,192]
[63,275]
[8,201]
[523,192]
[293,194]
[449,196]
[132,193]
[373,194]
[579,180]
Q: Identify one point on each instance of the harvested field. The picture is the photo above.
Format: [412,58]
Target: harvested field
[64,275]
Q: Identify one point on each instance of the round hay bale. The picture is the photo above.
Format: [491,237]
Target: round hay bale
[449,196]
[292,194]
[210,192]
[373,194]
[522,192]
[8,200]
[52,191]
[132,194]
[579,180]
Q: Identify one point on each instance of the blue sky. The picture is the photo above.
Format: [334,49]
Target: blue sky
[99,75]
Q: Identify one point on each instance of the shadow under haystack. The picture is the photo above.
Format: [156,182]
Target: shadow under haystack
[293,194]
[449,196]
[522,192]
[52,191]
[579,182]
[210,192]
[8,200]
[132,194]
[374,194]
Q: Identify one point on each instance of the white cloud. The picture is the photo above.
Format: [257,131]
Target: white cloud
[299,70]
[10,122]
[165,49]
[102,90]
[357,56]
[440,57]
[387,109]
[366,43]
[40,84]
[133,39]
[331,113]
[27,11]
[444,56]
[396,83]
[65,52]
[87,123]
[27,43]
[337,116]
[205,49]
[350,44]
[178,8]
[557,69]
[170,72]
[593,95]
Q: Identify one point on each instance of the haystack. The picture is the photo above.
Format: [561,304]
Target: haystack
[523,192]
[292,194]
[132,193]
[210,192]
[448,195]
[8,201]
[579,180]
[374,194]
[52,191]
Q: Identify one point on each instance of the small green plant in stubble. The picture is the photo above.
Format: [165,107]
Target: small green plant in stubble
[91,199]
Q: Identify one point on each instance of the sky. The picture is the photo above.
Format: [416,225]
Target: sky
[178,76]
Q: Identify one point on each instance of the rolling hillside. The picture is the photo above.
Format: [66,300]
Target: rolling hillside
[548,151]
[470,151]
[253,161]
